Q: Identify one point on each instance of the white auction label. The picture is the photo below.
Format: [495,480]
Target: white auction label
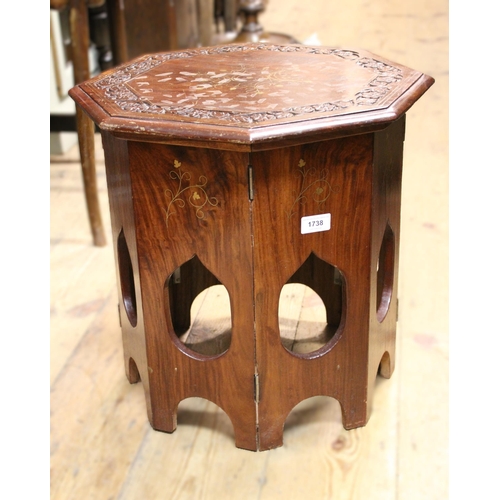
[315,223]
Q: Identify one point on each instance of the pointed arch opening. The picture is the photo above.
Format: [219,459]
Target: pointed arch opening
[385,273]
[199,308]
[312,308]
[127,283]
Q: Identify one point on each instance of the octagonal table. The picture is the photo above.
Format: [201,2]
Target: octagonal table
[254,166]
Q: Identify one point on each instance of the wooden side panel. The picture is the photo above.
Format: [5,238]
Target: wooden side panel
[123,231]
[332,177]
[190,202]
[387,176]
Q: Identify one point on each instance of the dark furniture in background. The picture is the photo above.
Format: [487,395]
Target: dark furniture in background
[79,47]
[121,30]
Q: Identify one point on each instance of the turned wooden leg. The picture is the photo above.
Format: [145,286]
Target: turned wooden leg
[85,129]
[84,125]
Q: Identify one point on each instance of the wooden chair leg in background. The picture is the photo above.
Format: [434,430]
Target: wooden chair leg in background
[86,131]
[80,41]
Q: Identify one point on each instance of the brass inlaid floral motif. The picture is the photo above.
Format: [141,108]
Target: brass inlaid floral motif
[194,194]
[313,184]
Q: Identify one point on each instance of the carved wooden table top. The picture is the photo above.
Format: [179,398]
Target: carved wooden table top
[250,93]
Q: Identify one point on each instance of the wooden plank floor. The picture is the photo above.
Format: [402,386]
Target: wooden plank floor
[102,446]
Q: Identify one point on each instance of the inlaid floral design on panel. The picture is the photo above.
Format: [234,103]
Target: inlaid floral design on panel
[314,185]
[194,194]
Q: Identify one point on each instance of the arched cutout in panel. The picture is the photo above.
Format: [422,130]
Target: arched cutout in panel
[311,307]
[321,412]
[384,368]
[385,273]
[200,412]
[199,308]
[133,372]
[127,283]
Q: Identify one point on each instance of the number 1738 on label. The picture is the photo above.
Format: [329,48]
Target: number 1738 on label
[315,223]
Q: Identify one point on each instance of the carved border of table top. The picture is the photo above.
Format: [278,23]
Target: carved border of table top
[115,89]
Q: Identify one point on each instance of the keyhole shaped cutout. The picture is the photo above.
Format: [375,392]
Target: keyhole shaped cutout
[385,273]
[311,307]
[127,283]
[200,309]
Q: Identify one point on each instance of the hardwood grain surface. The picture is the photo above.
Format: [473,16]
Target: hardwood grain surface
[102,445]
[246,93]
